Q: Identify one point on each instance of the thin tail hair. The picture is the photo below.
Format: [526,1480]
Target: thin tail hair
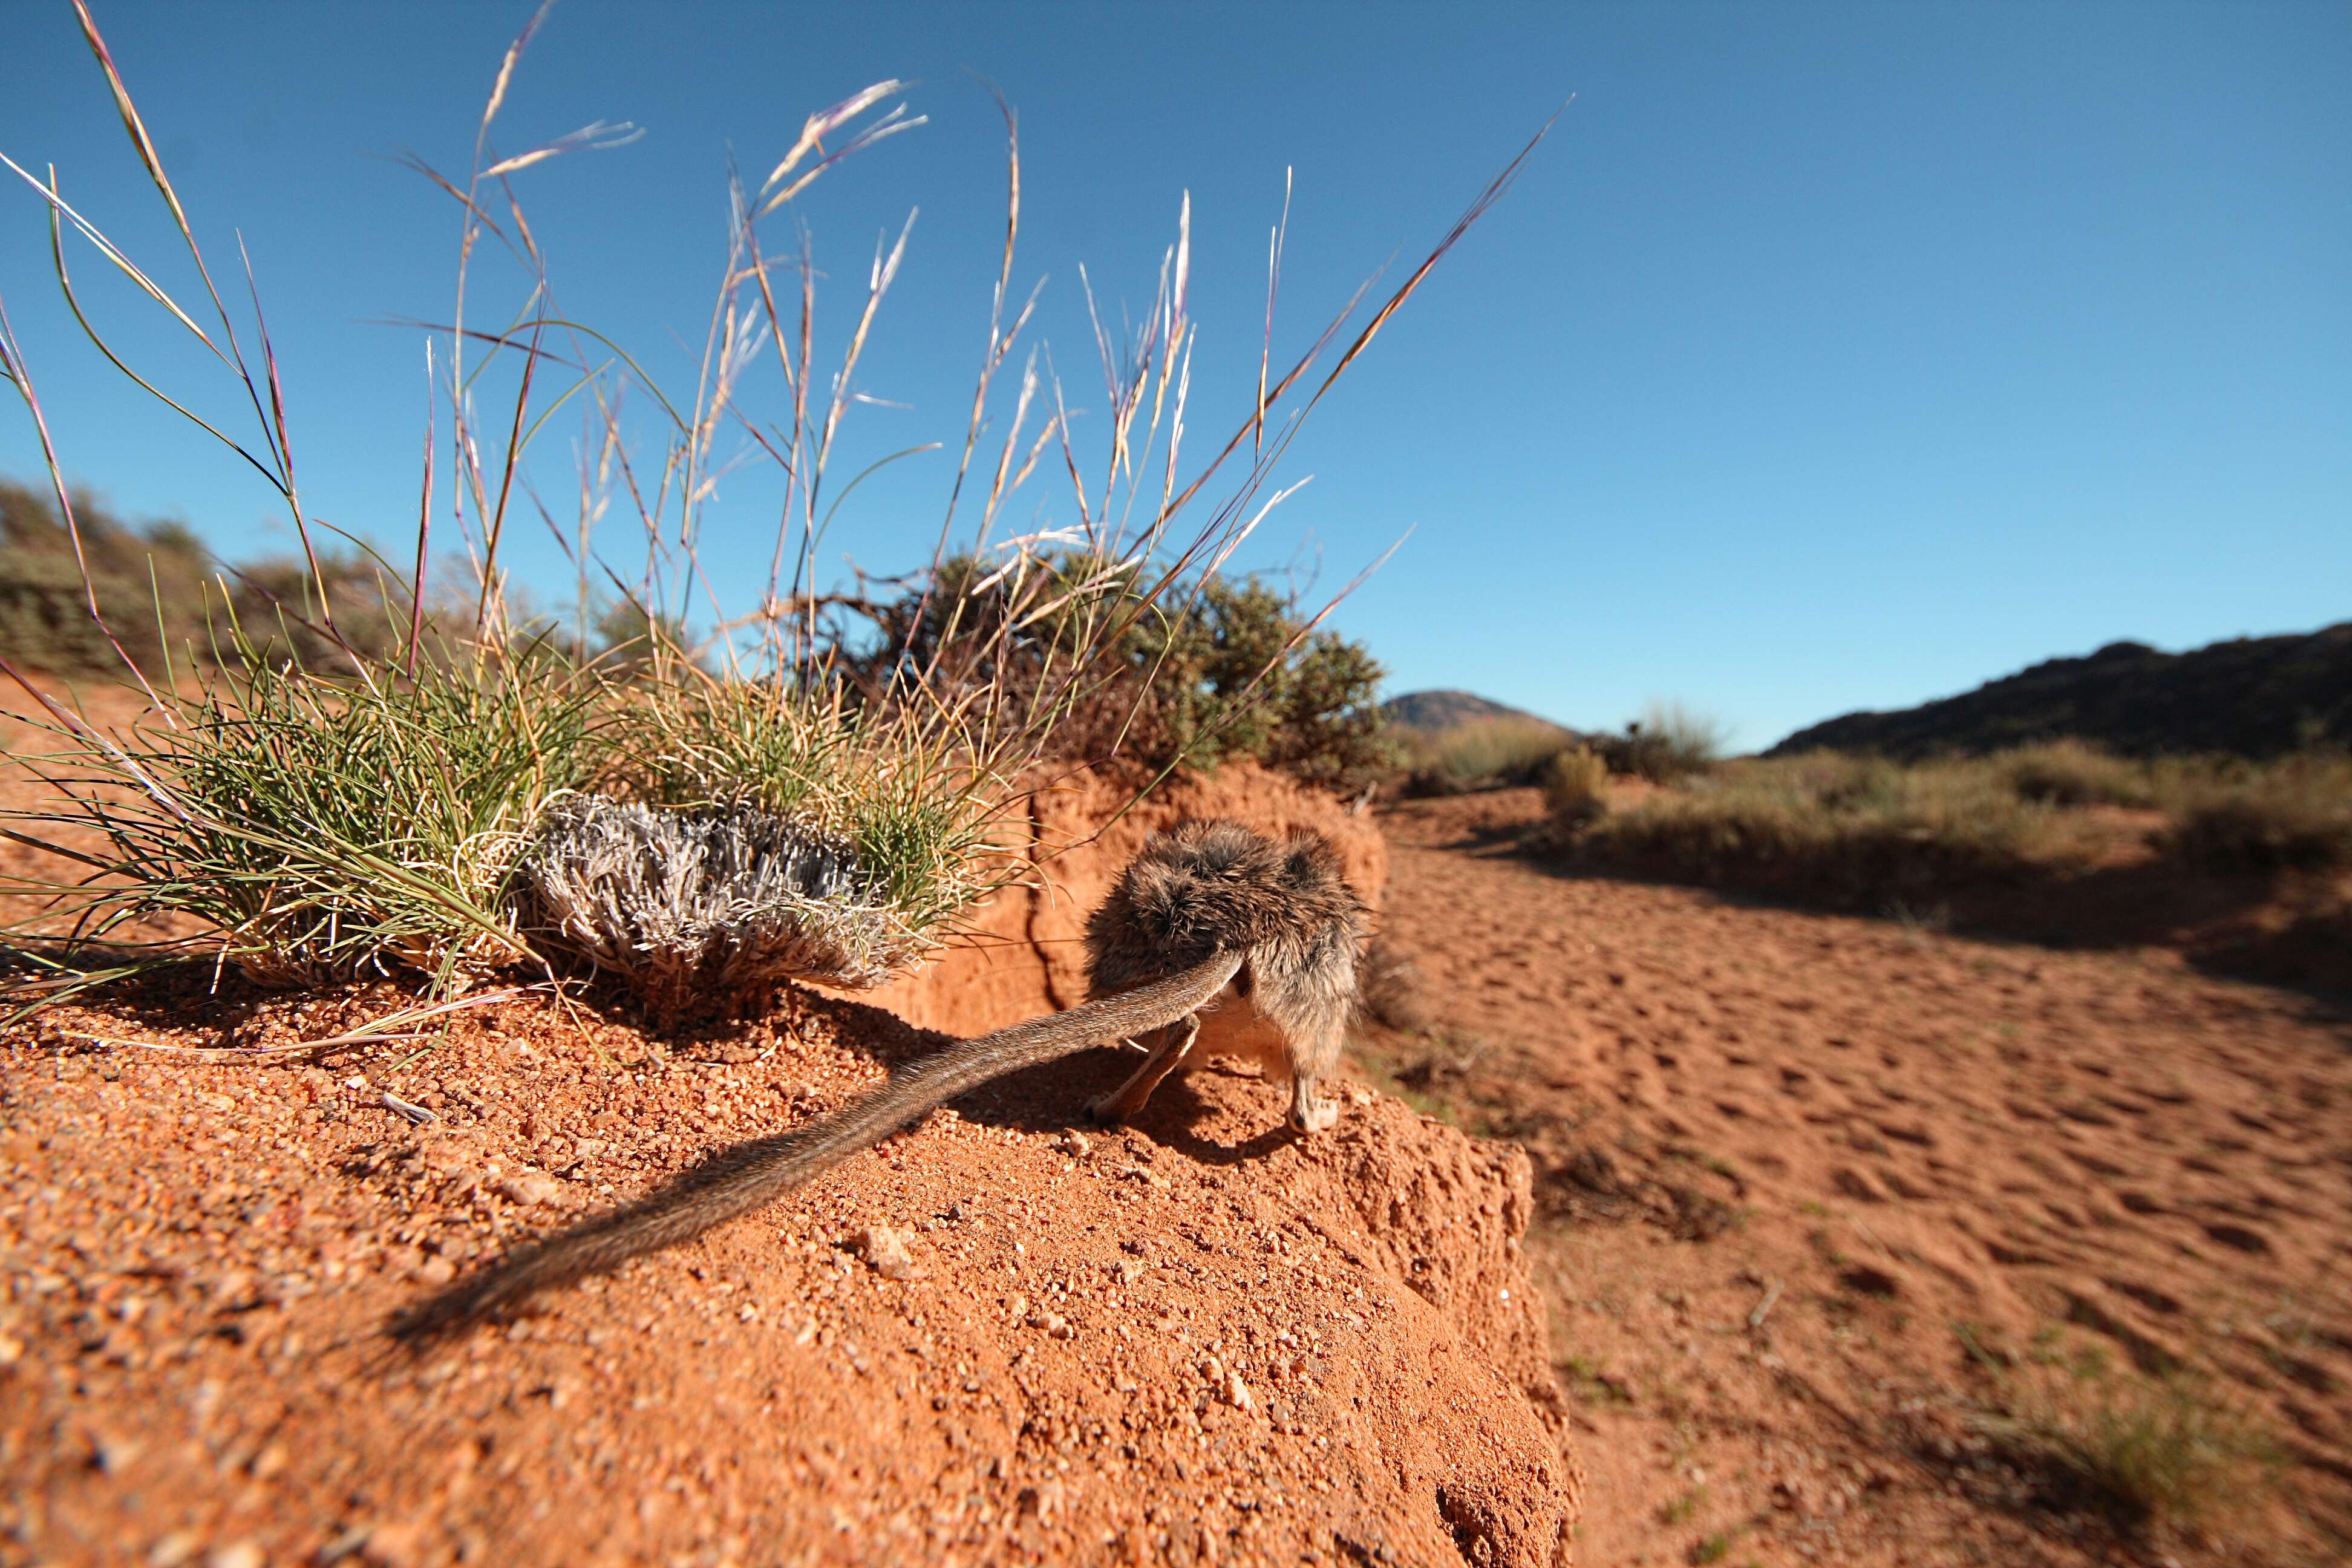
[751,1175]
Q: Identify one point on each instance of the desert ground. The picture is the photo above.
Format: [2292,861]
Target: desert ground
[1662,1228]
[1823,1200]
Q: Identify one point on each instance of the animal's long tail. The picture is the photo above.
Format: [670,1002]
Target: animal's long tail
[752,1174]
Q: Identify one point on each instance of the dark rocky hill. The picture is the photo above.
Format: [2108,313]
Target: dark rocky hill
[1433,712]
[2253,697]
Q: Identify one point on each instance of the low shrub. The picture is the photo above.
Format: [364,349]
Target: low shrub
[2074,773]
[1484,753]
[1848,828]
[1191,672]
[2292,815]
[1668,742]
[712,904]
[163,595]
[1575,788]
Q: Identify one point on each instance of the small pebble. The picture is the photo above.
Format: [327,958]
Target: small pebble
[885,1251]
[172,1550]
[527,1188]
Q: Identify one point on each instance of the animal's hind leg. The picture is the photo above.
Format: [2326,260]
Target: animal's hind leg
[1175,1044]
[1312,1110]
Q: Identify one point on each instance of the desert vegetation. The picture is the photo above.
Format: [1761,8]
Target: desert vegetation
[1484,753]
[1865,828]
[2151,1455]
[1669,741]
[343,761]
[1854,1239]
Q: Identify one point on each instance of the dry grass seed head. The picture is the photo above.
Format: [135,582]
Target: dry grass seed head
[722,898]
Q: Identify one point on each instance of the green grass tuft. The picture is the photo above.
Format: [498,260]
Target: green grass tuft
[317,828]
[2144,1455]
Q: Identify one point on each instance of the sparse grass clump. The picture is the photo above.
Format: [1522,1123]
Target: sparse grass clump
[2144,1454]
[2292,815]
[1486,753]
[316,828]
[1846,828]
[2074,773]
[915,803]
[1575,788]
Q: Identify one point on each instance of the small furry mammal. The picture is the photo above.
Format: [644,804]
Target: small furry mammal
[1216,938]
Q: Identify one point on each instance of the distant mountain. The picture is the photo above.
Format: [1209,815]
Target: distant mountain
[2253,697]
[1433,712]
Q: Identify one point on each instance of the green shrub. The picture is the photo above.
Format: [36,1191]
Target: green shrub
[1196,673]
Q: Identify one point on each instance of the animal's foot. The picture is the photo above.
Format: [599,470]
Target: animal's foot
[1320,1116]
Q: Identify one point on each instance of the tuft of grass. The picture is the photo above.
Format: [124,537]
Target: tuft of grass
[920,804]
[2142,1454]
[315,828]
[1484,753]
[2294,813]
[1843,827]
[1575,788]
[2074,773]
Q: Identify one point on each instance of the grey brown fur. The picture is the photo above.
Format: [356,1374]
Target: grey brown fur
[1216,938]
[1211,887]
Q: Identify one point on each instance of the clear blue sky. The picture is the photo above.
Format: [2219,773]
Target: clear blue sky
[1826,357]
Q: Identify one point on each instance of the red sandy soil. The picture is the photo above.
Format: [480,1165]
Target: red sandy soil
[1197,1340]
[1820,1195]
[1813,1205]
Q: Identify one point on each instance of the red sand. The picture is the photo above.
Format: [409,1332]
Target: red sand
[1199,1339]
[1809,1199]
[1808,1182]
